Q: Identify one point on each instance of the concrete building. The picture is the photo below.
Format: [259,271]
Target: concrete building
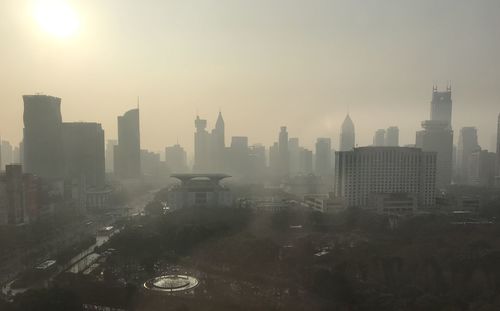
[43,149]
[176,159]
[347,135]
[441,105]
[438,137]
[467,144]
[284,155]
[481,168]
[294,154]
[218,145]
[392,136]
[201,146]
[150,163]
[323,157]
[199,191]
[237,159]
[366,171]
[6,154]
[84,158]
[110,157]
[306,161]
[379,138]
[127,153]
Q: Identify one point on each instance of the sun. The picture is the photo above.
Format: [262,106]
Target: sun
[56,17]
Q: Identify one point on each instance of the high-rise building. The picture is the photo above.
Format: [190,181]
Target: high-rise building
[481,170]
[366,171]
[176,159]
[238,157]
[323,163]
[150,163]
[258,162]
[441,105]
[218,145]
[127,153]
[6,154]
[83,146]
[284,155]
[274,159]
[467,144]
[201,146]
[110,154]
[43,150]
[347,135]
[294,154]
[392,136]
[306,161]
[379,138]
[438,137]
[15,194]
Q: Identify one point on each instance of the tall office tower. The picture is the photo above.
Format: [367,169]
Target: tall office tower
[379,138]
[284,156]
[15,194]
[368,171]
[274,159]
[218,145]
[294,154]
[7,154]
[258,163]
[441,105]
[16,155]
[392,136]
[438,137]
[238,156]
[127,153]
[323,163]
[347,135]
[110,154]
[83,145]
[201,146]
[467,144]
[176,159]
[306,161]
[482,168]
[150,163]
[43,150]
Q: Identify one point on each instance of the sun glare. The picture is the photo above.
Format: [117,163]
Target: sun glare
[56,17]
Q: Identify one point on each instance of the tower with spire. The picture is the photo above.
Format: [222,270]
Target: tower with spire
[347,135]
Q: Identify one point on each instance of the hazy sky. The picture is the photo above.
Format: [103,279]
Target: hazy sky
[265,63]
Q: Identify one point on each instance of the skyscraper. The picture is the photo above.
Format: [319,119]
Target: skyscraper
[392,136]
[294,154]
[110,157]
[6,154]
[437,135]
[284,155]
[385,170]
[441,105]
[323,163]
[83,145]
[467,144]
[43,153]
[379,138]
[481,168]
[176,159]
[127,154]
[347,135]
[201,146]
[218,145]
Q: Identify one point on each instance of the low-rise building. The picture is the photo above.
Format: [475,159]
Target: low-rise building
[199,190]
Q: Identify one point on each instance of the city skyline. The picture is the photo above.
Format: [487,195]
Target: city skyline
[312,62]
